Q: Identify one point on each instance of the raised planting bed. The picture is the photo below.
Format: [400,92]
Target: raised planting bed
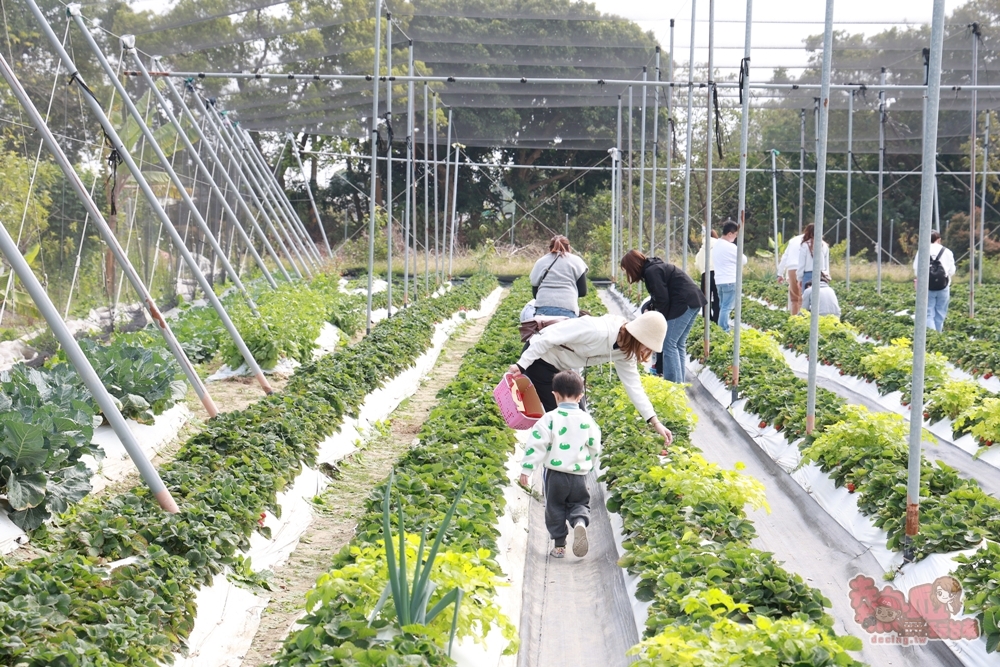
[688,541]
[464,440]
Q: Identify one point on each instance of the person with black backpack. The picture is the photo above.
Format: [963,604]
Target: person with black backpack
[939,282]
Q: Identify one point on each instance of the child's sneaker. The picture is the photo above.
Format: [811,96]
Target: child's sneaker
[558,552]
[580,543]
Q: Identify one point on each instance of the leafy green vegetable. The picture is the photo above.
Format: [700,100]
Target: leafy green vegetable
[46,427]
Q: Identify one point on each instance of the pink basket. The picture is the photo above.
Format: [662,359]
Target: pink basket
[518,402]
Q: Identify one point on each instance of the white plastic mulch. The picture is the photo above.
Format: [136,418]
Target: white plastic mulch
[228,616]
[512,547]
[842,505]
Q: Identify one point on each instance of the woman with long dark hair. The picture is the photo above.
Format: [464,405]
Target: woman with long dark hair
[674,295]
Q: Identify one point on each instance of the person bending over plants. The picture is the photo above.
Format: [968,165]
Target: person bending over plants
[674,295]
[590,341]
[565,443]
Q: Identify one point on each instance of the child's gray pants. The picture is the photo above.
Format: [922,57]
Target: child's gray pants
[566,499]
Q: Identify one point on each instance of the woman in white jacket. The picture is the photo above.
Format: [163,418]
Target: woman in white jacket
[574,344]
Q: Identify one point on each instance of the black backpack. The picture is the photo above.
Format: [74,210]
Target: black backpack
[938,277]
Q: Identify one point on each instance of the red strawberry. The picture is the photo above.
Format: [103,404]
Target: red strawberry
[778,427]
[762,424]
[987,375]
[263,516]
[850,487]
[988,443]
[927,415]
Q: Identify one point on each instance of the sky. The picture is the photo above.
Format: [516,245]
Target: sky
[778,27]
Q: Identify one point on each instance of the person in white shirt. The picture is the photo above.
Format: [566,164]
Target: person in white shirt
[812,260]
[828,302]
[699,264]
[724,256]
[939,294]
[788,271]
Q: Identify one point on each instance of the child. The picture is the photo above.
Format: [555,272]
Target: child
[566,442]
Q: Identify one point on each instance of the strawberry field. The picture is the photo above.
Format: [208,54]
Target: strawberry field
[425,576]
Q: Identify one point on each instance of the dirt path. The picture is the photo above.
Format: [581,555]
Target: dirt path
[337,511]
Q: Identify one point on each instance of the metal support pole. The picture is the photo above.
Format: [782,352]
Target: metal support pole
[668,203]
[138,117]
[269,177]
[251,169]
[238,163]
[642,164]
[374,167]
[927,181]
[976,33]
[312,200]
[652,175]
[614,213]
[80,362]
[447,194]
[619,244]
[128,43]
[822,133]
[688,146]
[850,159]
[802,164]
[388,157]
[270,190]
[410,195]
[742,199]
[454,214]
[709,135]
[881,172]
[277,194]
[937,207]
[982,204]
[94,212]
[631,174]
[154,202]
[437,200]
[427,187]
[774,207]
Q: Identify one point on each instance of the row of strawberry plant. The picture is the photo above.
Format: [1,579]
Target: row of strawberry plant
[689,543]
[969,343]
[66,608]
[970,407]
[464,442]
[865,452]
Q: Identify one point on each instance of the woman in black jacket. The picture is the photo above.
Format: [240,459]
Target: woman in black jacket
[673,294]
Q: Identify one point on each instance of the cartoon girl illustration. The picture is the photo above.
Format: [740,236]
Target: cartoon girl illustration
[936,603]
[948,593]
